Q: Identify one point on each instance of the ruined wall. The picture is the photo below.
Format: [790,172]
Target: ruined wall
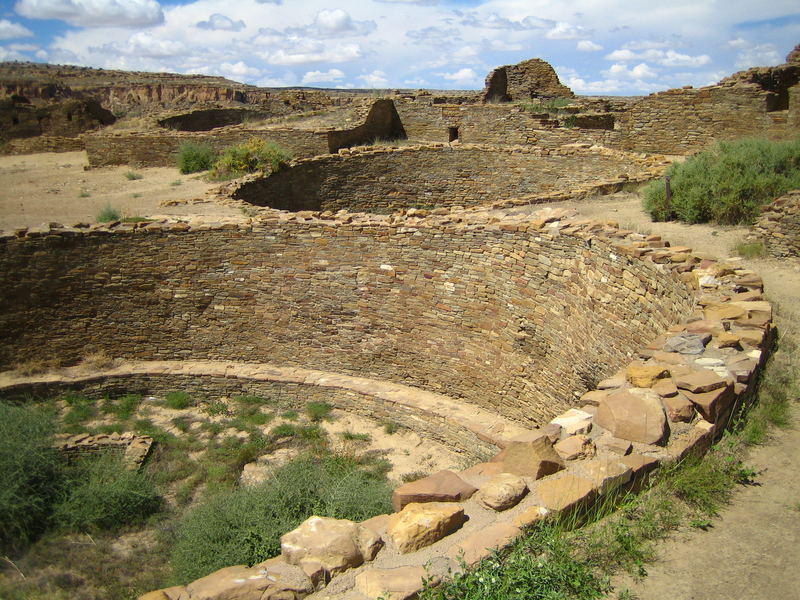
[778,227]
[160,149]
[532,78]
[21,118]
[382,123]
[427,177]
[513,318]
[210,118]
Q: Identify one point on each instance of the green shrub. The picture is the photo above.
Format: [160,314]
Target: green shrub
[108,214]
[29,474]
[177,400]
[102,493]
[133,176]
[729,183]
[194,157]
[245,525]
[253,155]
[318,411]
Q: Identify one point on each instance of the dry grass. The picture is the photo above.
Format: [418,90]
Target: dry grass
[36,366]
[97,360]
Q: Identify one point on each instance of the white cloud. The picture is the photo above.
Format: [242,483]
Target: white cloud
[330,23]
[322,76]
[462,76]
[143,44]
[219,22]
[565,31]
[621,71]
[435,36]
[376,79]
[646,45]
[239,69]
[9,54]
[504,46]
[315,52]
[94,13]
[588,46]
[495,21]
[758,55]
[9,30]
[668,58]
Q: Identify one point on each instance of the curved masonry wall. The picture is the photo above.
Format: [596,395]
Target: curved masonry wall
[516,318]
[387,179]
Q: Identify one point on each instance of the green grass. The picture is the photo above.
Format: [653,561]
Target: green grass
[750,249]
[251,156]
[318,411]
[728,183]
[244,526]
[84,194]
[194,157]
[178,400]
[391,427]
[291,415]
[215,408]
[284,430]
[176,183]
[133,176]
[122,408]
[355,437]
[108,214]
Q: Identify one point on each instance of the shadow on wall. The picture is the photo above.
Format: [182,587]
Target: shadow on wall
[382,122]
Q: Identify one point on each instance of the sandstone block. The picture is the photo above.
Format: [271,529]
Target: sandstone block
[502,492]
[419,525]
[636,418]
[679,409]
[334,545]
[665,388]
[723,310]
[481,544]
[712,405]
[639,464]
[530,459]
[729,340]
[170,593]
[479,474]
[700,381]
[273,580]
[644,375]
[401,583]
[575,447]
[613,445]
[565,492]
[605,474]
[574,421]
[529,516]
[687,343]
[444,486]
[594,397]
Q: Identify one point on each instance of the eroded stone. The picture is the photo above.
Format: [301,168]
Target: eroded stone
[444,486]
[419,525]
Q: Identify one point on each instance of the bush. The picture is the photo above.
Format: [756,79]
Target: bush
[29,474]
[178,400]
[101,493]
[253,155]
[728,183]
[244,526]
[193,157]
[108,214]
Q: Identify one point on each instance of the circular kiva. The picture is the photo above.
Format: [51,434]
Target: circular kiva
[384,180]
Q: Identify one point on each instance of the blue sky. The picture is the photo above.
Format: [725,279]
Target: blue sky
[597,46]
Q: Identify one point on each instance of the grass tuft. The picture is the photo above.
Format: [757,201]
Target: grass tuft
[108,214]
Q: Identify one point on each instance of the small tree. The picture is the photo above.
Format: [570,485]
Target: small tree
[194,157]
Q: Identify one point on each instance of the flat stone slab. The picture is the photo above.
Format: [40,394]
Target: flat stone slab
[273,579]
[700,381]
[711,405]
[420,525]
[444,486]
[401,583]
[575,447]
[530,459]
[530,516]
[633,417]
[481,544]
[564,492]
[574,421]
[606,474]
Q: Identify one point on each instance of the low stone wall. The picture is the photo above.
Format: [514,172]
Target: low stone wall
[42,143]
[160,149]
[778,227]
[515,318]
[383,180]
[132,448]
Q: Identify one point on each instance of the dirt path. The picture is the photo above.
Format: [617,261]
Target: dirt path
[753,549]
[41,188]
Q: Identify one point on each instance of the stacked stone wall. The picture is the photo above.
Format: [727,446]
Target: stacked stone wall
[509,317]
[778,227]
[160,149]
[385,180]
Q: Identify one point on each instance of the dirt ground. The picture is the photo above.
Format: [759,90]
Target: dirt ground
[44,188]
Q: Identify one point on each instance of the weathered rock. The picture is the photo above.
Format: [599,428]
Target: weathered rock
[444,486]
[564,492]
[723,310]
[530,459]
[575,447]
[639,464]
[644,375]
[606,475]
[271,580]
[479,474]
[613,445]
[573,422]
[665,388]
[401,583]
[687,343]
[334,545]
[711,405]
[529,516]
[700,381]
[419,525]
[637,418]
[679,409]
[481,544]
[377,524]
[170,593]
[594,397]
[502,492]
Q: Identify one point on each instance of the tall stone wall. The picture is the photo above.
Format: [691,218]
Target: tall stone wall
[514,318]
[778,227]
[382,123]
[532,78]
[387,180]
[160,149]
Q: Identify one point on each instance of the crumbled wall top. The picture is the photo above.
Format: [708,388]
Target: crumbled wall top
[533,78]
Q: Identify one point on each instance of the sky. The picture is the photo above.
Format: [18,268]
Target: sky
[598,47]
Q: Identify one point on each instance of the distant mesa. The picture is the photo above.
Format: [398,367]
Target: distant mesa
[533,78]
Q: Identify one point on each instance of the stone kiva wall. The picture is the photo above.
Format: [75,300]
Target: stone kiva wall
[160,149]
[382,123]
[778,227]
[513,318]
